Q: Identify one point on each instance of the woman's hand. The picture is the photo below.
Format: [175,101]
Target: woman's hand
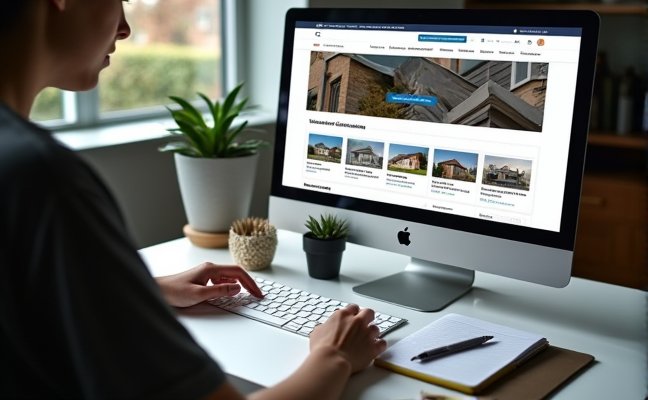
[349,332]
[192,286]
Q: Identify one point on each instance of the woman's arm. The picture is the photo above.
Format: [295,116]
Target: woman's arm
[346,343]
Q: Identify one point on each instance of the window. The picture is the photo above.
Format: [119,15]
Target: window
[520,74]
[48,105]
[334,99]
[174,49]
[466,66]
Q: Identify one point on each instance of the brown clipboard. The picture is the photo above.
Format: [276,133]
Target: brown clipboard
[540,376]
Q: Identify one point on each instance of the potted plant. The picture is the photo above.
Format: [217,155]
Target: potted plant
[324,244]
[216,170]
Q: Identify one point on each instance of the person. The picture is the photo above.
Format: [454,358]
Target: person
[80,314]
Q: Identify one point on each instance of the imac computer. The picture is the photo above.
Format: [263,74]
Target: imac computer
[455,137]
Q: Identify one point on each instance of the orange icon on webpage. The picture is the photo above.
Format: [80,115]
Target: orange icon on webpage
[540,42]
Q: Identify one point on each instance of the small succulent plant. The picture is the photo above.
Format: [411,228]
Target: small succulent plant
[327,227]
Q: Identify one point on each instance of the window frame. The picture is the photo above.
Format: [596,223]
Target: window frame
[335,89]
[82,109]
[514,68]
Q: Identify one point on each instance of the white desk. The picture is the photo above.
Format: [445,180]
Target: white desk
[606,321]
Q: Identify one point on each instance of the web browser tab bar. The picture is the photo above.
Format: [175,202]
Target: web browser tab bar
[489,29]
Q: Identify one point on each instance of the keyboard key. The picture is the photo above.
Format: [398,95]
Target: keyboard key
[291,326]
[258,315]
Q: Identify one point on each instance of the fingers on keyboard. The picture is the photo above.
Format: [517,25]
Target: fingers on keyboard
[298,311]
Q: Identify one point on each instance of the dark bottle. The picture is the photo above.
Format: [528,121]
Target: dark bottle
[608,96]
[625,107]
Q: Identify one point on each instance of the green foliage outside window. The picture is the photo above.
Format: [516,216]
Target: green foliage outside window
[139,78]
[48,105]
[142,78]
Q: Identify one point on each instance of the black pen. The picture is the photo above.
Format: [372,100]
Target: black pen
[452,348]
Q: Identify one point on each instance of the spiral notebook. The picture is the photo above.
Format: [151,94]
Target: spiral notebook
[469,371]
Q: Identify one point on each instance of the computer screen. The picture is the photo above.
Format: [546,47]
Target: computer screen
[456,137]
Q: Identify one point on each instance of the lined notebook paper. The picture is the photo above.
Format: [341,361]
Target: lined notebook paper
[469,371]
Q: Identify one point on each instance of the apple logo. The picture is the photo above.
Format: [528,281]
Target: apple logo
[403,237]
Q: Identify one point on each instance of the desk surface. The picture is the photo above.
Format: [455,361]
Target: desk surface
[604,320]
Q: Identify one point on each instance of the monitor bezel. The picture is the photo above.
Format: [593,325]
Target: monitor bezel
[588,21]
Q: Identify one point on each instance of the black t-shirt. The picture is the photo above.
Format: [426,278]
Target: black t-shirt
[80,315]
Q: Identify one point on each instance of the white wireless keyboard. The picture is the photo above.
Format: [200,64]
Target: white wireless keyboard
[293,310]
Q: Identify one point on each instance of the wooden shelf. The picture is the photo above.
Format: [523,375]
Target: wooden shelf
[634,141]
[601,8]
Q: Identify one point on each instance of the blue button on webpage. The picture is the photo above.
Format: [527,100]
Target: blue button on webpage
[442,38]
[405,98]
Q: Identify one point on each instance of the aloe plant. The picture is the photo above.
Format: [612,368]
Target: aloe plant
[328,227]
[213,137]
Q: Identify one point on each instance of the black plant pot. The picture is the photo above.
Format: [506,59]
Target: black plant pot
[323,257]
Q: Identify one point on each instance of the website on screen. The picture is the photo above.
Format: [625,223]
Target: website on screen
[474,123]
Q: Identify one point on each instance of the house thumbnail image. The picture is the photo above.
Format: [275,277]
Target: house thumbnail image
[408,159]
[324,148]
[365,153]
[455,165]
[507,172]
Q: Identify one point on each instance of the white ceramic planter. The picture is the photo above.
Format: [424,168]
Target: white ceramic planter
[215,191]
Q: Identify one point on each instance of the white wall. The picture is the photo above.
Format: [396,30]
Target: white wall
[144,184]
[264,33]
